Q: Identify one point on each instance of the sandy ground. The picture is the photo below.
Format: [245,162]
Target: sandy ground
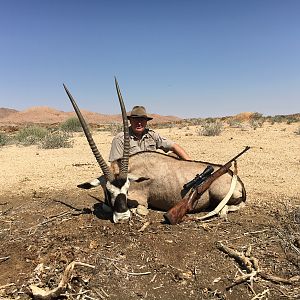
[45,220]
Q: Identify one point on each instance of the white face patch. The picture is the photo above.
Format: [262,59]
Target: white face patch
[95,182]
[119,217]
[115,191]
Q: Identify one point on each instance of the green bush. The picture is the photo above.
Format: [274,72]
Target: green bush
[115,128]
[195,121]
[291,119]
[3,139]
[71,125]
[31,135]
[256,123]
[257,116]
[211,129]
[235,123]
[55,140]
[277,119]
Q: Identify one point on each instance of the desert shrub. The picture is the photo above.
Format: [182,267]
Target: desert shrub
[235,123]
[115,128]
[71,125]
[3,139]
[210,120]
[211,129]
[257,120]
[291,119]
[297,131]
[257,116]
[195,121]
[256,123]
[55,140]
[31,135]
[168,125]
[277,119]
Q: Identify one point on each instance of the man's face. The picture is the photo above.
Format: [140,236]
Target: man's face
[138,125]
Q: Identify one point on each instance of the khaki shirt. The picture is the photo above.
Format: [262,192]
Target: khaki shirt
[150,140]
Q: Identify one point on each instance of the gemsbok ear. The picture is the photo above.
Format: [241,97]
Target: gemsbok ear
[93,183]
[134,178]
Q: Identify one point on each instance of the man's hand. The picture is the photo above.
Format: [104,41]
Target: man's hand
[180,152]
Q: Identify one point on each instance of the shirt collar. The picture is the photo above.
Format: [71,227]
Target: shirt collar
[145,133]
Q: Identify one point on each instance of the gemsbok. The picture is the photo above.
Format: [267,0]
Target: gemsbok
[153,179]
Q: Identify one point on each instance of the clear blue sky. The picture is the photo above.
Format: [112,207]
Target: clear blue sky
[186,58]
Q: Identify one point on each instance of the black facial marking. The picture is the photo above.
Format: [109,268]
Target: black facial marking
[132,203]
[119,182]
[120,204]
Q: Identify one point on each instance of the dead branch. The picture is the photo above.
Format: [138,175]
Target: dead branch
[2,259]
[98,293]
[277,279]
[41,294]
[239,257]
[145,225]
[102,290]
[242,279]
[262,295]
[130,273]
[252,267]
[6,285]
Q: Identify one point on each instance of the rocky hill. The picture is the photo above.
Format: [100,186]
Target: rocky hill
[48,115]
[4,112]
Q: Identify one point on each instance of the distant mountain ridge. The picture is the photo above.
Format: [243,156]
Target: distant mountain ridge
[4,112]
[48,115]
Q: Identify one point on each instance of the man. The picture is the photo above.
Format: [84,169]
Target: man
[142,138]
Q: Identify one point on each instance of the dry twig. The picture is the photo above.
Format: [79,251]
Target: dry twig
[41,294]
[130,273]
[145,225]
[2,259]
[261,295]
[252,268]
[239,257]
[5,286]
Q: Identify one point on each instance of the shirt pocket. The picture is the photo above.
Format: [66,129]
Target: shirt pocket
[150,146]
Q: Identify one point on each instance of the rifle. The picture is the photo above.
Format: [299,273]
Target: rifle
[199,178]
[175,214]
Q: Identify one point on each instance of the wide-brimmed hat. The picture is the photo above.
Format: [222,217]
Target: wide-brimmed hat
[139,112]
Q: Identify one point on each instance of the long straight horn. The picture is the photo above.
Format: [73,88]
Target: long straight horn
[124,161]
[104,167]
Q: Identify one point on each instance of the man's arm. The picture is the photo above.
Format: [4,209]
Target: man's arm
[180,152]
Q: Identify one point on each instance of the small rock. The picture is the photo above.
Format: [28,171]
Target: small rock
[184,275]
[142,210]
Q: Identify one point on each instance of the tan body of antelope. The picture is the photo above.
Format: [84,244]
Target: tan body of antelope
[157,181]
[154,179]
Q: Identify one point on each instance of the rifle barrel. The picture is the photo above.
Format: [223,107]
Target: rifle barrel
[241,153]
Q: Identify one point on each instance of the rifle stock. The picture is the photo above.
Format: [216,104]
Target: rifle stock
[175,214]
[178,211]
